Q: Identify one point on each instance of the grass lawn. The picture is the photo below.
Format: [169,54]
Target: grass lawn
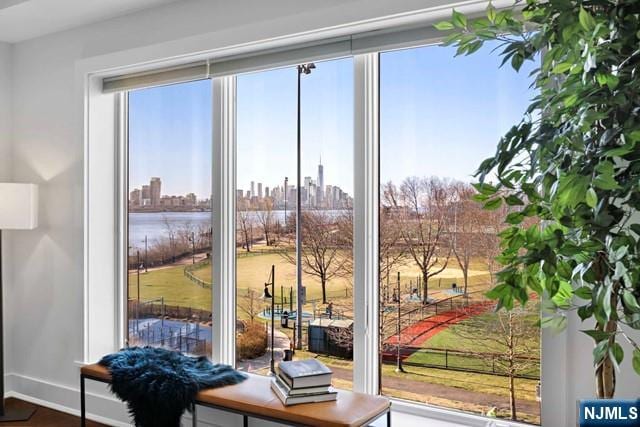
[456,337]
[171,284]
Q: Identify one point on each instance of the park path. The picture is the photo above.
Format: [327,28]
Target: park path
[281,342]
[418,333]
[440,391]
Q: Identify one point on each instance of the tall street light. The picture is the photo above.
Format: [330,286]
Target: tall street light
[302,69]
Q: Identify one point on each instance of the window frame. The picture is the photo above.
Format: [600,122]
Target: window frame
[366,194]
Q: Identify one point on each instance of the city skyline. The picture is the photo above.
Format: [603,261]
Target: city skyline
[424,92]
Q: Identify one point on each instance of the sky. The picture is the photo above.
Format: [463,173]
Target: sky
[440,115]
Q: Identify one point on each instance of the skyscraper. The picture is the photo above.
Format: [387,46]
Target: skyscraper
[253,189]
[146,195]
[320,183]
[260,190]
[155,189]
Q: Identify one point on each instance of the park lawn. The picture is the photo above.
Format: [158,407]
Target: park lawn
[252,271]
[173,285]
[452,338]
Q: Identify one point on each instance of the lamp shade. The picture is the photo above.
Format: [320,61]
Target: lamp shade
[18,206]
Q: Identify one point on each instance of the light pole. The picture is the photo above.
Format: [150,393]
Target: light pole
[399,367]
[286,188]
[138,303]
[302,69]
[272,282]
[146,254]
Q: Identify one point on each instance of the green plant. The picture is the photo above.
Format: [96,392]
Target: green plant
[574,163]
[252,342]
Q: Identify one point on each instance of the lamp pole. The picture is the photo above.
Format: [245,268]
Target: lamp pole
[399,367]
[273,303]
[286,187]
[146,253]
[302,69]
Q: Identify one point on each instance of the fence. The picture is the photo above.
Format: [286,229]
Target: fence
[460,360]
[185,338]
[189,269]
[412,313]
[162,310]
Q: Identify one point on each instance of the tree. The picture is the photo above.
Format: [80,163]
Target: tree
[469,228]
[510,333]
[245,224]
[266,220]
[571,162]
[423,209]
[324,252]
[250,304]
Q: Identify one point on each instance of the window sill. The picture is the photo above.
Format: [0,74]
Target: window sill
[450,415]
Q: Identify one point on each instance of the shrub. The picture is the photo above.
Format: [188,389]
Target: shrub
[252,342]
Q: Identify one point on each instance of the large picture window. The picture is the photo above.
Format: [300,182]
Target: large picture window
[441,341]
[169,217]
[288,136]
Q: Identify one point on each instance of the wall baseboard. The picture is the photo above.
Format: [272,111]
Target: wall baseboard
[102,407]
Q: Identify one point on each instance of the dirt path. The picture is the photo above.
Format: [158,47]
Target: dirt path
[446,392]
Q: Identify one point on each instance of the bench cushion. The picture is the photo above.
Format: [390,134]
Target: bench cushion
[254,396]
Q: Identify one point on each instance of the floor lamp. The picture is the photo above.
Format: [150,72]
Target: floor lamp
[18,211]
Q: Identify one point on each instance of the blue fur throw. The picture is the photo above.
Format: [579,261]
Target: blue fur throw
[159,384]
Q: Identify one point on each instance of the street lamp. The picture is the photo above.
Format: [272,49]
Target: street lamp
[286,187]
[192,239]
[399,367]
[267,295]
[302,69]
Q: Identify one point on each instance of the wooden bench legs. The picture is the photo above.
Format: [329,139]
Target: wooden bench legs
[83,415]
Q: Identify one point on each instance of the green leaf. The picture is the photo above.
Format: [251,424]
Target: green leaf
[636,361]
[586,20]
[459,20]
[597,335]
[630,301]
[444,26]
[491,13]
[583,292]
[562,67]
[600,351]
[493,204]
[591,198]
[617,352]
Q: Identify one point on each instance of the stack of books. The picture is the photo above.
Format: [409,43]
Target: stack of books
[303,381]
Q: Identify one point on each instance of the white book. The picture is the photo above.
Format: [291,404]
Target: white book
[301,391]
[294,400]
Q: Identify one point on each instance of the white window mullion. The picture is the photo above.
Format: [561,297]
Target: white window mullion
[223,220]
[365,232]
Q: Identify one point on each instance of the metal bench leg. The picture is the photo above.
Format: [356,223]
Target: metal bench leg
[389,418]
[83,415]
[194,416]
[245,421]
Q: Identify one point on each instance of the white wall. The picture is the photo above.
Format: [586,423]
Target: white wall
[44,287]
[5,110]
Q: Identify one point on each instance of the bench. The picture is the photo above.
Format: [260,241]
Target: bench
[253,398]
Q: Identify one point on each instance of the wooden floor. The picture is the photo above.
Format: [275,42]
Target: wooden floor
[45,417]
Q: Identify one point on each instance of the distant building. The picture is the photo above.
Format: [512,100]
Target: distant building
[260,190]
[266,192]
[253,189]
[155,187]
[146,196]
[320,194]
[135,198]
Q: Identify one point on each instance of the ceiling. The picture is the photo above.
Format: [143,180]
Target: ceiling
[26,19]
